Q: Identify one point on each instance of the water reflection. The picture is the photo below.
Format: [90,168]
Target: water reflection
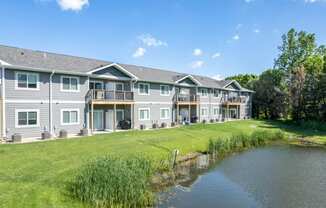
[279,176]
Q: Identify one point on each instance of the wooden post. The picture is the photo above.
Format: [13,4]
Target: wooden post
[114,116]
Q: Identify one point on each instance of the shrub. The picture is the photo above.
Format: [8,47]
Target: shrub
[114,182]
[163,125]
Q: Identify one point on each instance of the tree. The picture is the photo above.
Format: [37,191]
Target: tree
[295,49]
[297,85]
[270,98]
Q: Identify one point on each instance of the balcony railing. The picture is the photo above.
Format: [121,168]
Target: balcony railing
[109,95]
[232,100]
[186,98]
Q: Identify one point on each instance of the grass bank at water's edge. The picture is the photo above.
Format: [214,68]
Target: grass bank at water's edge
[34,175]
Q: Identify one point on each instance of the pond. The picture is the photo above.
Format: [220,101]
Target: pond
[275,176]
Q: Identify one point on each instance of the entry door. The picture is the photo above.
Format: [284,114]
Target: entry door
[98,120]
[109,119]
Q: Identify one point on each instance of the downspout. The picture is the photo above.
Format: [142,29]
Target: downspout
[50,105]
[4,133]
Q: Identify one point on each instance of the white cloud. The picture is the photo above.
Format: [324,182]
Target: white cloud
[196,64]
[139,52]
[236,37]
[74,5]
[312,1]
[218,77]
[197,52]
[150,41]
[216,55]
[256,31]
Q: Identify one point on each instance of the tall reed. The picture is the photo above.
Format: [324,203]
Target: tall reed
[237,142]
[114,182]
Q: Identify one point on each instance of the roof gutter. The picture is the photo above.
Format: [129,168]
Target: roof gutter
[50,103]
[3,100]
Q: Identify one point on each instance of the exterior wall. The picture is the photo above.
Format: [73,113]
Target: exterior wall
[29,131]
[39,99]
[154,115]
[154,94]
[71,128]
[18,99]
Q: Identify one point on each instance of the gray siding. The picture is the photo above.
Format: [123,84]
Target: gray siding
[154,115]
[154,94]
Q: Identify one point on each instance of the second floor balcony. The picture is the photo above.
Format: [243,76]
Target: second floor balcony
[184,98]
[234,100]
[110,96]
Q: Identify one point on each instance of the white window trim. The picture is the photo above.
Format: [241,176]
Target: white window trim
[70,109]
[27,110]
[168,90]
[218,111]
[61,81]
[96,81]
[149,88]
[149,114]
[201,111]
[168,115]
[119,83]
[201,92]
[27,73]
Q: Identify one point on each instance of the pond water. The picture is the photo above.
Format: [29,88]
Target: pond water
[276,176]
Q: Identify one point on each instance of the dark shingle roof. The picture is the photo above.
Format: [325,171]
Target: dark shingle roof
[46,60]
[53,61]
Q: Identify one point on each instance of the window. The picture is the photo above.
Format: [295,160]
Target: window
[217,93]
[165,90]
[25,80]
[165,113]
[97,85]
[216,111]
[204,92]
[143,88]
[204,111]
[69,116]
[69,84]
[119,87]
[27,118]
[144,114]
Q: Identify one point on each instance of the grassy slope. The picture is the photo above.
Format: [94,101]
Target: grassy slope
[33,175]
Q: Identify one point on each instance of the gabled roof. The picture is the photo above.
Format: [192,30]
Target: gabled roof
[188,77]
[47,61]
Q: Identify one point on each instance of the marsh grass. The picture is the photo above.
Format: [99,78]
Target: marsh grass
[111,181]
[241,141]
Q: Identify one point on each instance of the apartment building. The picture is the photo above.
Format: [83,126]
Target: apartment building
[49,92]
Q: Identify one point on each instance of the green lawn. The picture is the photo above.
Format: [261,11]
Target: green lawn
[33,175]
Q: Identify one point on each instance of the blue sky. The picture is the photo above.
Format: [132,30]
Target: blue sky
[209,37]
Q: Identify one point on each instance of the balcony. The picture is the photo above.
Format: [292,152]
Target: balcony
[234,100]
[109,96]
[186,99]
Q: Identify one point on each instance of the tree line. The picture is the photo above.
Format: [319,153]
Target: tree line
[295,88]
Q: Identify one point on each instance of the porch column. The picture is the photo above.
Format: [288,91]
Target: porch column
[92,117]
[132,110]
[177,120]
[189,110]
[114,116]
